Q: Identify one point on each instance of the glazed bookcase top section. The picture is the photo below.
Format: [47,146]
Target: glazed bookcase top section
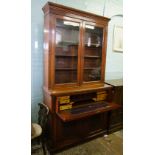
[72,12]
[76,52]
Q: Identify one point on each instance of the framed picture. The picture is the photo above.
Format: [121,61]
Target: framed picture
[118,39]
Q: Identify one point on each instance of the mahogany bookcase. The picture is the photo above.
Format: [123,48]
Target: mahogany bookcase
[74,71]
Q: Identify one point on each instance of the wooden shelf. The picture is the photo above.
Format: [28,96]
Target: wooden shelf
[63,55]
[65,69]
[93,45]
[82,112]
[90,68]
[91,56]
[67,43]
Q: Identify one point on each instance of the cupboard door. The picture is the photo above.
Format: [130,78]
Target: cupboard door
[66,51]
[93,41]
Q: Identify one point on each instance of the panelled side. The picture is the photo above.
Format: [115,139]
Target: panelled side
[46,51]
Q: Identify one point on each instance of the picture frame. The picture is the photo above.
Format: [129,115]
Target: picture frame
[118,38]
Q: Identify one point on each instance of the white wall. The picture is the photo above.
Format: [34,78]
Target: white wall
[114,60]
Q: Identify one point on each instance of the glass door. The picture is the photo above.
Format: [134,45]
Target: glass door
[66,51]
[93,38]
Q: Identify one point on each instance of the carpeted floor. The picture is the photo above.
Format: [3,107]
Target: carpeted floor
[110,145]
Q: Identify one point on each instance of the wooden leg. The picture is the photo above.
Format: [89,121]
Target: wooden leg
[108,121]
